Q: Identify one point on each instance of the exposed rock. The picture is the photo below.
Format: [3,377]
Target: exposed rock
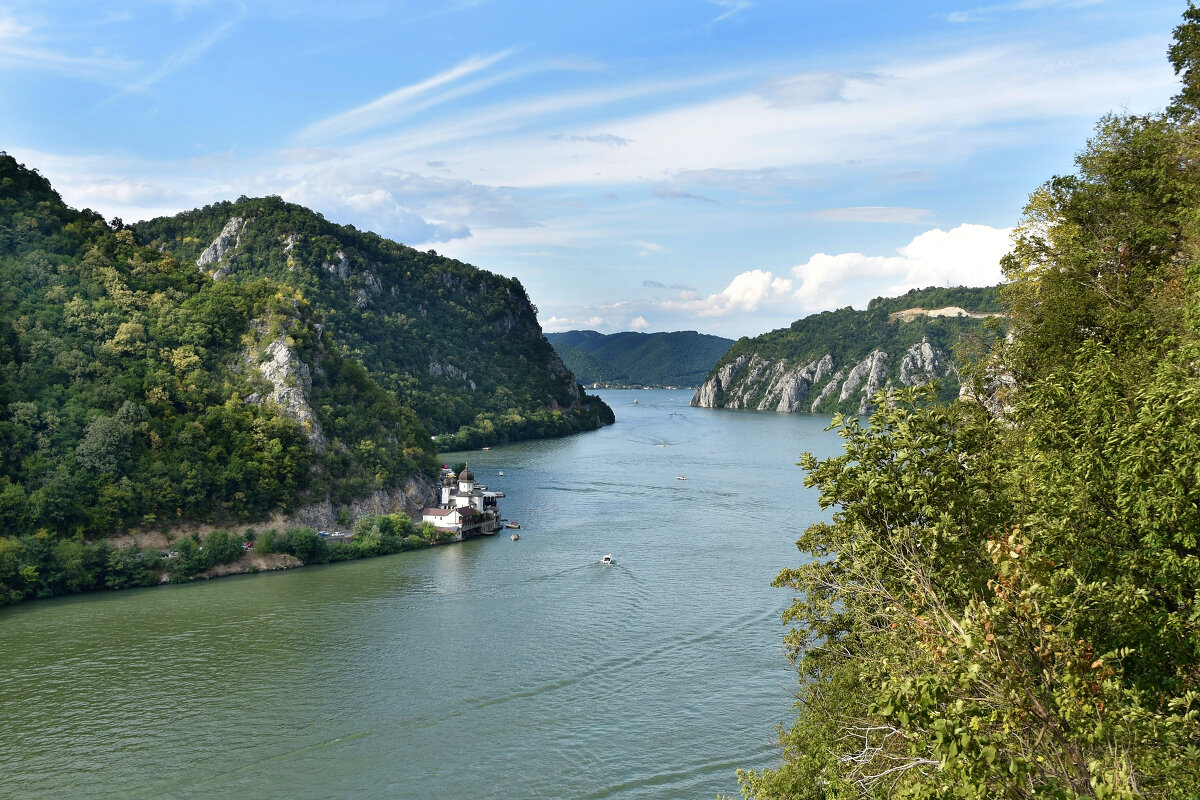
[339,269]
[706,396]
[416,493]
[923,363]
[291,382]
[829,389]
[227,241]
[450,371]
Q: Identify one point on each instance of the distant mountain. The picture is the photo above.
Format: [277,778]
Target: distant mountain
[679,358]
[837,360]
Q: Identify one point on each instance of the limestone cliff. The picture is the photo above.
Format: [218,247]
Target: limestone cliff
[837,361]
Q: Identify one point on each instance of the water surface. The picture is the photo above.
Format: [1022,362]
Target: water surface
[489,669]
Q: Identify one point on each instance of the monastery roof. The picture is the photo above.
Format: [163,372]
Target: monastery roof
[466,475]
[436,512]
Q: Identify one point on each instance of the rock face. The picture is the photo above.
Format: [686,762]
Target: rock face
[751,381]
[290,380]
[213,259]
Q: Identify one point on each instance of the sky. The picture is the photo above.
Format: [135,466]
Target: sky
[726,166]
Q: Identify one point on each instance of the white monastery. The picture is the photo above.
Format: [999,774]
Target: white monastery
[466,508]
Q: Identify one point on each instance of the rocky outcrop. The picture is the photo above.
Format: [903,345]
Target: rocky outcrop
[448,370]
[416,493]
[751,381]
[213,260]
[290,380]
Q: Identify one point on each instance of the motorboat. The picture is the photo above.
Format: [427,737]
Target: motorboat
[513,525]
[681,477]
[607,560]
[501,473]
[515,536]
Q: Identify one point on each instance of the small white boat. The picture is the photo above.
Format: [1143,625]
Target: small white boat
[515,536]
[635,401]
[681,477]
[607,560]
[501,473]
[513,525]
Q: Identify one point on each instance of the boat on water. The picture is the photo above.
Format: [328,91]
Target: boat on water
[501,473]
[515,536]
[513,525]
[681,477]
[635,402]
[607,559]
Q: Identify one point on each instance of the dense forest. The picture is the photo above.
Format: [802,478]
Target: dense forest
[1004,602]
[629,358]
[459,345]
[139,389]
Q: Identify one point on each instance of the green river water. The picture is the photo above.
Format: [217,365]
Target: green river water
[488,669]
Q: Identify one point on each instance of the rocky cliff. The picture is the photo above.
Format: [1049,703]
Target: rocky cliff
[837,361]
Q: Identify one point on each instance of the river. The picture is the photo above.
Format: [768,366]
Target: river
[488,669]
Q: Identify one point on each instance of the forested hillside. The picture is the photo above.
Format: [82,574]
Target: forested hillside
[249,373]
[837,360]
[629,358]
[460,346]
[1004,603]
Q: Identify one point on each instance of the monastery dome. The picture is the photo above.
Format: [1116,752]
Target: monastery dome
[466,475]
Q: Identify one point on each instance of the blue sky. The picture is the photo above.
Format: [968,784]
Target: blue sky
[716,165]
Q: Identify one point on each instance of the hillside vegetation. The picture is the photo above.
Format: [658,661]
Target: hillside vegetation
[460,346]
[138,389]
[677,358]
[837,360]
[1004,603]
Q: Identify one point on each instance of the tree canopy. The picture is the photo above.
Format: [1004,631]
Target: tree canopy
[1004,604]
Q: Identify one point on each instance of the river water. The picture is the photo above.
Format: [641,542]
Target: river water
[488,669]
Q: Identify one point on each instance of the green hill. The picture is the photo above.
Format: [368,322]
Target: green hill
[678,358]
[241,360]
[836,360]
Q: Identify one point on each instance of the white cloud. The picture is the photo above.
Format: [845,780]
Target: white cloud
[639,322]
[968,255]
[871,214]
[746,292]
[399,101]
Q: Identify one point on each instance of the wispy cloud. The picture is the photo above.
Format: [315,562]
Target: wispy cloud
[728,8]
[22,48]
[391,106]
[984,12]
[884,214]
[186,54]
[676,193]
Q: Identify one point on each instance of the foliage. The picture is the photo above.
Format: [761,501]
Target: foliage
[132,386]
[849,336]
[1006,605]
[458,345]
[679,358]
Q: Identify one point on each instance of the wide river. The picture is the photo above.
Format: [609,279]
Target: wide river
[489,669]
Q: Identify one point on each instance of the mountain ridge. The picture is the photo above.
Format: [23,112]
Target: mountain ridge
[633,358]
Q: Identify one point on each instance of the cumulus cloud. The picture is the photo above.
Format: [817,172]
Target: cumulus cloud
[746,292]
[968,255]
[638,323]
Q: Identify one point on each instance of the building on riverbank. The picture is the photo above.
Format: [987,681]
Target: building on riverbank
[466,508]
